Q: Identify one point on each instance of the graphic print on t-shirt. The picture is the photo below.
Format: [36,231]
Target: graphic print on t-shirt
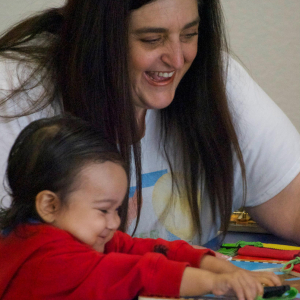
[176,222]
[172,208]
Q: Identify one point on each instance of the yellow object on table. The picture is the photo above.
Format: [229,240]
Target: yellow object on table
[280,247]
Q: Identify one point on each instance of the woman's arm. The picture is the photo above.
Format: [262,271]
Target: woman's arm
[271,151]
[281,214]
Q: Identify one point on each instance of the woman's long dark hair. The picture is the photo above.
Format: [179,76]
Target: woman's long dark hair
[78,53]
[200,122]
[49,154]
[81,57]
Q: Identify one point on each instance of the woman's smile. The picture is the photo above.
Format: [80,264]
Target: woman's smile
[159,78]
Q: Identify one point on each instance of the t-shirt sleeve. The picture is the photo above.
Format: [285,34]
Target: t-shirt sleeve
[10,74]
[178,250]
[269,142]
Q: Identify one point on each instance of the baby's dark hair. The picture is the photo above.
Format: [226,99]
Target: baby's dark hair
[47,155]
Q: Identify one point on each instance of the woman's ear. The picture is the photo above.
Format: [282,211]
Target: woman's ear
[47,204]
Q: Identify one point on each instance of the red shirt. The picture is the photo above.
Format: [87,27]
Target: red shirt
[39,261]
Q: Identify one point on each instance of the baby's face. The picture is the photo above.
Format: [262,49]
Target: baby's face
[91,212]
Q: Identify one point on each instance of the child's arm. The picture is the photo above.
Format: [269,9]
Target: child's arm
[178,250]
[183,252]
[214,276]
[239,283]
[72,267]
[220,266]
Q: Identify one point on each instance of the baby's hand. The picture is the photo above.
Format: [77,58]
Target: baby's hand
[266,278]
[244,284]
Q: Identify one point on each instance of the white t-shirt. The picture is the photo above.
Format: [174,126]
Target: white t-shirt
[10,128]
[269,142]
[271,149]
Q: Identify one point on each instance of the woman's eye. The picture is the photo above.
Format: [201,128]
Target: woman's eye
[150,41]
[189,36]
[103,210]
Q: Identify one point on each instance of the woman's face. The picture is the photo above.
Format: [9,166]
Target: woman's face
[163,38]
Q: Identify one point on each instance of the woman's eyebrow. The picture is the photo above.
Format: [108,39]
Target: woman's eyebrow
[150,30]
[193,23]
[164,30]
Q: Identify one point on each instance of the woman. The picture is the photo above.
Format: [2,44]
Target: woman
[153,74]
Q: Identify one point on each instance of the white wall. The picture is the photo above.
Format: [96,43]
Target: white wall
[12,11]
[265,35]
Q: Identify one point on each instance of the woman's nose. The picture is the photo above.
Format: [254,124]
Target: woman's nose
[173,55]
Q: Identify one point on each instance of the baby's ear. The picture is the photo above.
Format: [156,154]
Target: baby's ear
[47,204]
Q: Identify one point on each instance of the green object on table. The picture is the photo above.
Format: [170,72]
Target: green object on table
[232,249]
[291,294]
[292,262]
[241,244]
[230,252]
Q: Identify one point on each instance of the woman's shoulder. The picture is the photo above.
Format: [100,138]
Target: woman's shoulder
[17,74]
[237,77]
[8,73]
[22,91]
[13,72]
[269,141]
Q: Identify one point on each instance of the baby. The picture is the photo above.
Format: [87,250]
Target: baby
[60,237]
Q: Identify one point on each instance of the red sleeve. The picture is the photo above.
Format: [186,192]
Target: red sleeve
[78,272]
[177,250]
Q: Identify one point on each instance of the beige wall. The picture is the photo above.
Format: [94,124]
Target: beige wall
[12,11]
[264,34]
